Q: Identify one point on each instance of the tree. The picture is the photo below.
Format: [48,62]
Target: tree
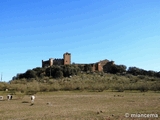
[117,69]
[134,70]
[158,74]
[81,67]
[30,74]
[138,71]
[39,71]
[66,70]
[151,73]
[58,74]
[87,68]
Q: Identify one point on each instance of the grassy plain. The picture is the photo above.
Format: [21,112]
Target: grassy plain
[80,105]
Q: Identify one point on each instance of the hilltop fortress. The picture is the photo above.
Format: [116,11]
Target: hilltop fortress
[66,60]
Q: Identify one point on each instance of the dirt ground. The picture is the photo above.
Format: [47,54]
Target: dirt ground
[76,105]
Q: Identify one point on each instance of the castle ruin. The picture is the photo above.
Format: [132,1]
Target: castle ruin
[66,60]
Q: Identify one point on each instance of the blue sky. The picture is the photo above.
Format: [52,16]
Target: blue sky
[125,31]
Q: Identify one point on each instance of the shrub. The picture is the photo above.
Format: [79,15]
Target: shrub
[32,87]
[143,87]
[59,74]
[3,86]
[155,86]
[119,87]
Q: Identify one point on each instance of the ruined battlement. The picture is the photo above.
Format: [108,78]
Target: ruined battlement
[102,65]
[58,61]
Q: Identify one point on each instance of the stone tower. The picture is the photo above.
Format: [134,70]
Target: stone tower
[50,61]
[67,58]
[100,68]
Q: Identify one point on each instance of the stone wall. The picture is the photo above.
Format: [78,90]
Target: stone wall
[66,60]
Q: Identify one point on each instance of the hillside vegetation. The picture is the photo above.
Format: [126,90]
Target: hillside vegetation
[72,77]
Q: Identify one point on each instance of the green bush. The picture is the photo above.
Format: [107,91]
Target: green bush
[58,74]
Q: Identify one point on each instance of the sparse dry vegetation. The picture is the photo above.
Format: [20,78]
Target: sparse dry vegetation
[100,96]
[91,82]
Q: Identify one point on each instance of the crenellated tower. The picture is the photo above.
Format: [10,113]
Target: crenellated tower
[67,58]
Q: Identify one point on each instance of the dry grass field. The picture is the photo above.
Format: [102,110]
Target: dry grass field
[76,105]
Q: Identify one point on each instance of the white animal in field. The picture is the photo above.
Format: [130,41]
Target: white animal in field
[9,97]
[32,98]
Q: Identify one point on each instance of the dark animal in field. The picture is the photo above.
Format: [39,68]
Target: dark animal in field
[9,97]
